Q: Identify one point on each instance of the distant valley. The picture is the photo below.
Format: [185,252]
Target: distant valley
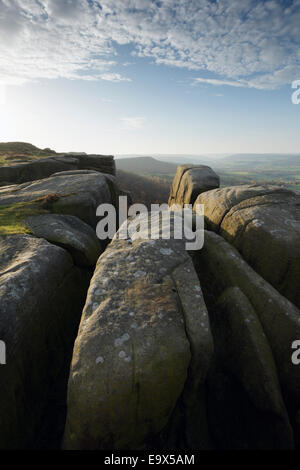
[233,169]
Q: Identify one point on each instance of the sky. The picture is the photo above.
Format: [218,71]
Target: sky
[150,76]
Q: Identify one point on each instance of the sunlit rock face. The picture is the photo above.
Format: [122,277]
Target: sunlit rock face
[190,181]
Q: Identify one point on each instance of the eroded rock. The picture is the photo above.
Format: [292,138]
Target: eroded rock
[69,232]
[220,266]
[263,223]
[190,181]
[144,334]
[249,412]
[41,299]
[44,167]
[77,193]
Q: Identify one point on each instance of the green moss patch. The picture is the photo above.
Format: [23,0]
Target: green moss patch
[12,216]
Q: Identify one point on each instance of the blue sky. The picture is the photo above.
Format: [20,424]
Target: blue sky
[143,76]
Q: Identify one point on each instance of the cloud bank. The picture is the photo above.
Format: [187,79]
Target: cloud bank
[240,43]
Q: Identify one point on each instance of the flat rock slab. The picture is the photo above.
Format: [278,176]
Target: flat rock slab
[69,232]
[263,223]
[190,181]
[144,329]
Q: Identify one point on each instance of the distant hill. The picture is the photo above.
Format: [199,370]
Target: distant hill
[145,166]
[144,189]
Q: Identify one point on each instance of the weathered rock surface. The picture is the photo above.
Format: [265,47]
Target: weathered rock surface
[249,412]
[69,232]
[144,336]
[41,299]
[45,167]
[77,193]
[263,223]
[190,181]
[220,266]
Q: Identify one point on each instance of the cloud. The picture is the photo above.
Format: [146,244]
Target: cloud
[133,123]
[250,43]
[212,81]
[114,77]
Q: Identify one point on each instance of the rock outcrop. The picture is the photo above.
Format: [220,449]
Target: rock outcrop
[69,232]
[176,349]
[41,299]
[43,285]
[220,267]
[77,193]
[190,181]
[45,167]
[144,344]
[263,223]
[250,412]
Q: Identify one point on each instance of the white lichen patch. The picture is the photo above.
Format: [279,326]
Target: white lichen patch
[140,273]
[121,340]
[166,251]
[197,288]
[257,222]
[99,360]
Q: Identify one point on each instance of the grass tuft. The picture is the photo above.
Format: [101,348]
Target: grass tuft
[12,216]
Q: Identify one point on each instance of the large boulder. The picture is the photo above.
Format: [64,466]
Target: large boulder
[249,412]
[69,232]
[41,299]
[190,181]
[77,193]
[144,336]
[263,223]
[220,266]
[44,167]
